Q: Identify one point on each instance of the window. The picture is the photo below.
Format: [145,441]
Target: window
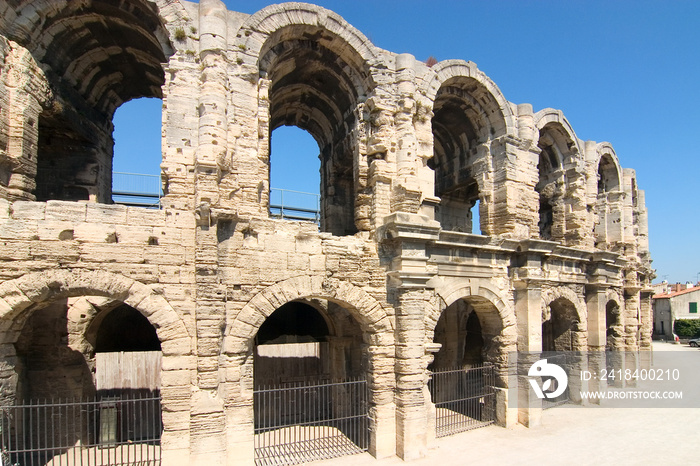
[693,308]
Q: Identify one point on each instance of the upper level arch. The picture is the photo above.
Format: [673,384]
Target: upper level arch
[555,130]
[315,72]
[296,21]
[559,165]
[608,170]
[453,76]
[96,56]
[104,53]
[469,111]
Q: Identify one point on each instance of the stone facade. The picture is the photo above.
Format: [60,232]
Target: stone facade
[406,151]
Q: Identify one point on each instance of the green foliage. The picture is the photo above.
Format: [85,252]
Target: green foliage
[180,34]
[687,327]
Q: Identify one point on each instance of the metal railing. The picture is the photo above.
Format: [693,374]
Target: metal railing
[136,189]
[143,190]
[464,399]
[105,430]
[563,361]
[310,421]
[295,205]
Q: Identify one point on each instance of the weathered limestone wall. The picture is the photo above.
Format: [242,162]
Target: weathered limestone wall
[23,93]
[406,150]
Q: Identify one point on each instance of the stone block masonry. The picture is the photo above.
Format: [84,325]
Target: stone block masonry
[391,282]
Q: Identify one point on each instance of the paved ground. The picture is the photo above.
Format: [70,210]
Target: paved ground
[574,435]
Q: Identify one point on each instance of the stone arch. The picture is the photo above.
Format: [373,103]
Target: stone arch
[450,291]
[485,296]
[556,119]
[608,195]
[614,295]
[605,154]
[614,331]
[97,56]
[377,326]
[501,113]
[565,296]
[370,314]
[18,296]
[47,26]
[26,22]
[257,30]
[314,72]
[470,117]
[34,288]
[550,295]
[560,169]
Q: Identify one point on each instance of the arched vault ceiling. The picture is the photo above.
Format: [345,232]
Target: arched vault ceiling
[107,51]
[312,88]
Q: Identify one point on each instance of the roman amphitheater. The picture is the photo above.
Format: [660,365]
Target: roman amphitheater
[374,302]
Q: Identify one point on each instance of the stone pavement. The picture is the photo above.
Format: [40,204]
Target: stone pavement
[592,435]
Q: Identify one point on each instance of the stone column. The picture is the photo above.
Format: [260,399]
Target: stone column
[25,90]
[180,134]
[528,313]
[631,313]
[631,319]
[209,426]
[646,320]
[411,375]
[515,203]
[407,192]
[597,327]
[383,436]
[597,334]
[237,391]
[410,233]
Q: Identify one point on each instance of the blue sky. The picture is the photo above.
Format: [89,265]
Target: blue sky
[626,72]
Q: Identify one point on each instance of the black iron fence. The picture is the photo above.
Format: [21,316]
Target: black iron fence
[464,399]
[105,430]
[561,360]
[298,423]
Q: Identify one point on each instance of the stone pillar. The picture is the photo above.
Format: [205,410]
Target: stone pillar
[597,327]
[528,313]
[407,192]
[180,135]
[237,392]
[383,434]
[515,211]
[631,319]
[631,313]
[24,90]
[9,377]
[578,227]
[411,375]
[646,320]
[209,426]
[410,234]
[597,334]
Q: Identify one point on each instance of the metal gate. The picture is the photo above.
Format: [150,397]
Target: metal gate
[298,423]
[106,430]
[562,361]
[464,399]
